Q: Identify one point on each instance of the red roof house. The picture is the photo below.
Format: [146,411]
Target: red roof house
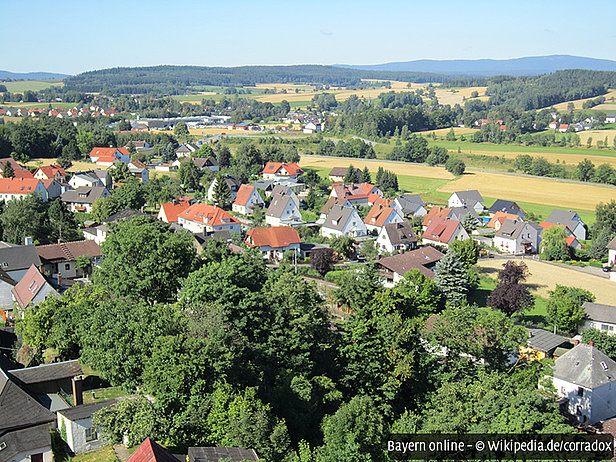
[275,241]
[275,170]
[150,451]
[444,232]
[169,211]
[204,218]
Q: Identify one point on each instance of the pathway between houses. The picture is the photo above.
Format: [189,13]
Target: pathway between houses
[121,452]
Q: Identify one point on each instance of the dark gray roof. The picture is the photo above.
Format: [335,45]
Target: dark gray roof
[585,366]
[511,229]
[17,408]
[338,217]
[421,259]
[565,217]
[83,194]
[123,215]
[85,411]
[19,257]
[221,454]
[283,190]
[408,203]
[279,202]
[501,205]
[400,233]
[267,185]
[543,340]
[48,372]
[457,213]
[599,312]
[26,439]
[469,197]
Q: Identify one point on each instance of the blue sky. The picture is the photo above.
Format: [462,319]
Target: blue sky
[74,36]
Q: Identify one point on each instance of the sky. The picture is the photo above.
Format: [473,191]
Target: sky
[73,36]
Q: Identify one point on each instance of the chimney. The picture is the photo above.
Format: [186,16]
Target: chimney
[77,390]
[576,342]
[591,343]
[59,280]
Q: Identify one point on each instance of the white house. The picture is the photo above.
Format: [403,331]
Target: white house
[107,155]
[203,218]
[247,199]
[410,204]
[275,241]
[232,183]
[470,199]
[82,198]
[570,219]
[587,378]
[311,127]
[85,179]
[381,215]
[515,236]
[281,170]
[343,221]
[444,232]
[396,237]
[17,188]
[283,212]
[601,317]
[77,424]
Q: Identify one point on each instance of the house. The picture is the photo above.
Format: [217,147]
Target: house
[18,188]
[585,377]
[611,252]
[444,232]
[6,292]
[33,289]
[342,202]
[247,199]
[18,170]
[280,171]
[220,454]
[343,221]
[571,220]
[138,145]
[312,127]
[98,234]
[410,205]
[396,237]
[610,118]
[50,379]
[499,218]
[25,425]
[169,211]
[186,150]
[275,241]
[106,155]
[16,260]
[435,212]
[82,198]
[232,183]
[471,199]
[570,237]
[286,191]
[267,186]
[515,236]
[207,162]
[563,128]
[337,174]
[380,215]
[60,260]
[89,179]
[50,172]
[543,344]
[203,218]
[150,451]
[54,189]
[600,317]
[139,170]
[77,424]
[508,207]
[356,194]
[393,269]
[283,212]
[458,213]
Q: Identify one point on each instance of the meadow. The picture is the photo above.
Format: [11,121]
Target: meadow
[32,85]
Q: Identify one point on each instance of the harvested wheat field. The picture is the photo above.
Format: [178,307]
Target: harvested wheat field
[536,190]
[446,96]
[544,277]
[399,168]
[579,102]
[78,166]
[570,158]
[443,131]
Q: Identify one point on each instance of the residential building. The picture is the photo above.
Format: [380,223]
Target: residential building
[458,213]
[586,378]
[186,150]
[50,172]
[16,260]
[342,202]
[283,212]
[60,260]
[444,232]
[106,155]
[139,170]
[543,344]
[435,212]
[600,317]
[207,162]
[247,199]
[286,191]
[150,451]
[393,269]
[89,179]
[504,206]
[33,289]
[396,237]
[611,252]
[203,218]
[471,199]
[6,292]
[54,188]
[516,237]
[357,194]
[379,216]
[410,205]
[571,220]
[275,241]
[281,171]
[343,221]
[18,170]
[76,421]
[169,211]
[98,234]
[82,198]
[18,188]
[337,174]
[232,183]
[216,454]
[499,218]
[312,127]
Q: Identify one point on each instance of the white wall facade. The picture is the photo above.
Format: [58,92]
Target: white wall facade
[76,434]
[588,405]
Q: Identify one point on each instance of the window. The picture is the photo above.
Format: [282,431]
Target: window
[580,391]
[67,266]
[91,435]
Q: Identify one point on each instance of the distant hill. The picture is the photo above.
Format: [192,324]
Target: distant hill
[533,65]
[31,75]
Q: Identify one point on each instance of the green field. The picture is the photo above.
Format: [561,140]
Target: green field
[543,211]
[33,85]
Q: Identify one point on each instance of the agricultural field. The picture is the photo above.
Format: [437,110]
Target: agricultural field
[544,277]
[579,102]
[78,166]
[32,85]
[454,96]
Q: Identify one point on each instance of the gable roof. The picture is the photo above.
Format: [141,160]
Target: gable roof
[565,217]
[338,217]
[441,230]
[378,215]
[123,215]
[278,205]
[19,257]
[457,213]
[47,372]
[68,251]
[244,194]
[612,244]
[274,167]
[207,214]
[341,201]
[599,312]
[276,236]
[469,197]
[216,454]
[28,288]
[18,185]
[420,259]
[504,206]
[83,194]
[409,203]
[400,233]
[20,172]
[501,217]
[205,161]
[50,171]
[341,171]
[585,366]
[17,408]
[21,441]
[150,451]
[173,209]
[543,340]
[511,229]
[85,411]
[435,212]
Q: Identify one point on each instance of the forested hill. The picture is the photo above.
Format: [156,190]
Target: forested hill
[176,79]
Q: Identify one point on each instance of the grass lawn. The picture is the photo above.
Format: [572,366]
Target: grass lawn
[33,85]
[103,394]
[482,292]
[538,314]
[104,454]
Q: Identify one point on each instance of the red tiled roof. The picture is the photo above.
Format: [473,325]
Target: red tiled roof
[501,217]
[138,164]
[18,185]
[546,224]
[150,451]
[173,209]
[378,215]
[28,287]
[273,167]
[570,240]
[277,236]
[243,194]
[436,212]
[50,171]
[106,159]
[441,230]
[208,214]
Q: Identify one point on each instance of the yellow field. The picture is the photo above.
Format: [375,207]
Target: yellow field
[77,166]
[597,135]
[579,102]
[444,131]
[607,107]
[400,168]
[535,190]
[446,96]
[544,277]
